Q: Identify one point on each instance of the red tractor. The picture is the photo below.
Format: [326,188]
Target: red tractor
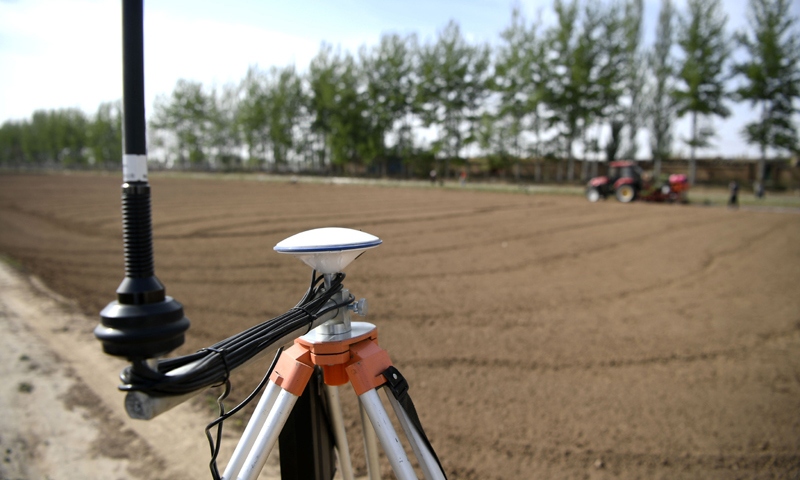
[627,182]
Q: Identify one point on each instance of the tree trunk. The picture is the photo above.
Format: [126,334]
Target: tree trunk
[692,161]
[762,162]
[584,164]
[570,169]
[656,166]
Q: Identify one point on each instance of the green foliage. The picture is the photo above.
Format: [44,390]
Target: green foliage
[453,84]
[771,74]
[183,123]
[701,89]
[284,107]
[586,82]
[581,82]
[634,73]
[701,74]
[520,72]
[388,71]
[51,137]
[105,134]
[661,109]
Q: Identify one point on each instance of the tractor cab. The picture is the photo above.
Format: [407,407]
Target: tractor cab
[619,170]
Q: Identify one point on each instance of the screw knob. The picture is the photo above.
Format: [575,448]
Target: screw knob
[360,307]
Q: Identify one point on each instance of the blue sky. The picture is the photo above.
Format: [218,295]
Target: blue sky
[67,53]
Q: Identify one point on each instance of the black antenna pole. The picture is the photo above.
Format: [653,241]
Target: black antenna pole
[143,322]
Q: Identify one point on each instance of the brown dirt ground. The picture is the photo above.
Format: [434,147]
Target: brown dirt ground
[542,336]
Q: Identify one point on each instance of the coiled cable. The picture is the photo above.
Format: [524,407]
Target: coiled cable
[211,366]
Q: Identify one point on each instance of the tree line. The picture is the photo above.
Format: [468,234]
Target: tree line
[582,88]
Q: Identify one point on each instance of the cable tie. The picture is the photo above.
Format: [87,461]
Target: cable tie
[221,353]
[313,317]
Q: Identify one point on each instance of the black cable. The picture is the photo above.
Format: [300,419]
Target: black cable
[212,365]
[224,416]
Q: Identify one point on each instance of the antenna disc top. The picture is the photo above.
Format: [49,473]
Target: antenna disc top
[328,250]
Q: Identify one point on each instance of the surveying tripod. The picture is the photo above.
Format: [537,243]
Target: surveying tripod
[346,352]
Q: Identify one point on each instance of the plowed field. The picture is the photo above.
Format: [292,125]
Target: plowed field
[542,336]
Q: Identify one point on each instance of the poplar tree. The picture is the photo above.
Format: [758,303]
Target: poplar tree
[563,85]
[701,74]
[105,134]
[183,121]
[634,73]
[662,106]
[771,75]
[452,87]
[321,102]
[515,85]
[283,109]
[389,69]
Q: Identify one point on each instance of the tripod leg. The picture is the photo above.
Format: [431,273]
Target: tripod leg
[370,445]
[429,465]
[387,435]
[335,413]
[251,431]
[291,374]
[268,435]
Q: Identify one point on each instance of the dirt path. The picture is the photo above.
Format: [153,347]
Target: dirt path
[62,416]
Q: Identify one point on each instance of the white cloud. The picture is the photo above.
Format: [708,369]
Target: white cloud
[58,54]
[213,52]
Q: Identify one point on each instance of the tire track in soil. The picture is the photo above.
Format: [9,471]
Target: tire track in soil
[703,269]
[610,460]
[82,229]
[538,262]
[210,232]
[734,352]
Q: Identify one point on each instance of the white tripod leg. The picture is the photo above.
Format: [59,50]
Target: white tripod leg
[387,436]
[370,445]
[335,412]
[429,465]
[251,431]
[268,436]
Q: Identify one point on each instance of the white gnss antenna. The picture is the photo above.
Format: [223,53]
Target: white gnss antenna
[328,250]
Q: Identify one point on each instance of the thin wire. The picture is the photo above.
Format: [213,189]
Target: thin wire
[224,416]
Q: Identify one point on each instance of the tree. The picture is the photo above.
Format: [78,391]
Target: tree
[354,136]
[284,108]
[389,69]
[772,76]
[701,89]
[321,102]
[11,148]
[583,83]
[562,94]
[634,73]
[183,123]
[252,119]
[661,110]
[518,79]
[451,90]
[105,134]
[225,137]
[612,79]
[597,82]
[339,106]
[511,81]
